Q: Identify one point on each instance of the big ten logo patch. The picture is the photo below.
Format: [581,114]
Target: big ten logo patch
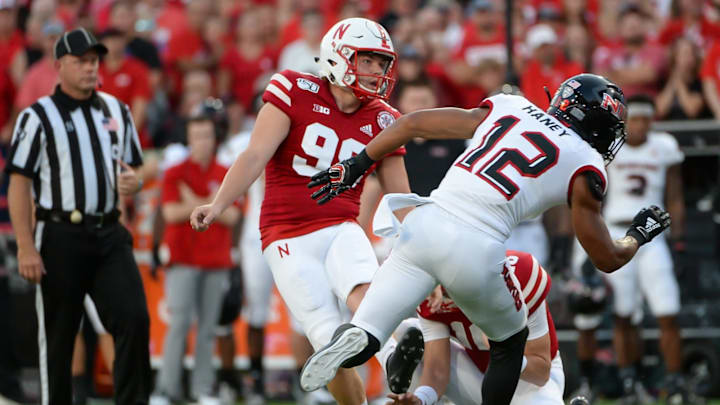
[321,109]
[512,288]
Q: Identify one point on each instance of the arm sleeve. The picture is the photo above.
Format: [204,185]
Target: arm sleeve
[24,155]
[538,323]
[432,330]
[132,152]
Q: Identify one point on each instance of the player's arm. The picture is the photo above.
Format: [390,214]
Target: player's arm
[605,253]
[537,353]
[537,348]
[436,123]
[675,202]
[271,129]
[436,365]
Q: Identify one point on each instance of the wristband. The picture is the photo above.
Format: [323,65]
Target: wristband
[637,235]
[363,160]
[426,394]
[524,364]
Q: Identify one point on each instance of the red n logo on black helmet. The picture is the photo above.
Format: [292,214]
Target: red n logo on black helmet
[613,105]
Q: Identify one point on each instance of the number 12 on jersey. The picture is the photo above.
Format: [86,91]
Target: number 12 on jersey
[491,169]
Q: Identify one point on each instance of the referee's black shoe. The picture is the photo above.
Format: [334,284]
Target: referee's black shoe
[402,362]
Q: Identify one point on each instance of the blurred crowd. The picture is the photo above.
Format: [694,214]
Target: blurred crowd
[167,55]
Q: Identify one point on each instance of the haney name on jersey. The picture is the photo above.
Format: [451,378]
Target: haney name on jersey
[545,119]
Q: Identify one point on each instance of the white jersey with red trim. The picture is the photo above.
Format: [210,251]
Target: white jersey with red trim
[320,135]
[525,271]
[638,176]
[520,162]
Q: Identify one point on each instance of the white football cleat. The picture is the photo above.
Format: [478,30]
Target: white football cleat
[322,366]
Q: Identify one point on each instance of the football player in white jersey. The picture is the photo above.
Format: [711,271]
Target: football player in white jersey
[645,172]
[520,162]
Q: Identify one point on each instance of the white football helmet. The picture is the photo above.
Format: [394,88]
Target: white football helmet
[342,42]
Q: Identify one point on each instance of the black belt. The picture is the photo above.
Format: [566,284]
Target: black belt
[77,218]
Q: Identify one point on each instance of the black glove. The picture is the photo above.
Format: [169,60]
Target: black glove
[339,177]
[648,223]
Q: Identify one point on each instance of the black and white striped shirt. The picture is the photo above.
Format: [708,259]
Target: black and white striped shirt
[70,149]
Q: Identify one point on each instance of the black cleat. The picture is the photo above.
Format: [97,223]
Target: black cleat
[401,364]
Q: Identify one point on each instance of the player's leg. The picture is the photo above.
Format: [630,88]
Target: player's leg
[257,281]
[657,279]
[180,293]
[626,301]
[491,299]
[105,340]
[298,268]
[210,294]
[58,303]
[79,378]
[398,287]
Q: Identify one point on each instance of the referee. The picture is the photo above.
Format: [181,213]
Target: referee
[72,153]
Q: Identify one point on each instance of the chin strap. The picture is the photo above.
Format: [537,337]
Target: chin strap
[547,91]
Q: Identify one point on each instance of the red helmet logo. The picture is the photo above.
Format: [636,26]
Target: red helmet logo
[613,105]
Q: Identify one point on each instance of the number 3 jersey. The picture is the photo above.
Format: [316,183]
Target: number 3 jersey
[320,135]
[520,162]
[638,174]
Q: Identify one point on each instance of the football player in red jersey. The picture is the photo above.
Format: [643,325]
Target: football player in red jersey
[319,255]
[457,351]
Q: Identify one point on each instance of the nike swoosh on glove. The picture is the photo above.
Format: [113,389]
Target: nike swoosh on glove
[649,223]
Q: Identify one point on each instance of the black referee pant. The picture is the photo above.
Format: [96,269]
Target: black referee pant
[82,259]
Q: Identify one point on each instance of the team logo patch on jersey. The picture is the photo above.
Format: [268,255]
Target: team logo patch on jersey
[321,109]
[385,119]
[367,130]
[307,85]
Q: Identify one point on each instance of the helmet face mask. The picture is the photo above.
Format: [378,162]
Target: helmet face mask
[339,56]
[595,108]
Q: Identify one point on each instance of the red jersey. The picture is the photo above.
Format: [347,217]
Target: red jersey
[206,250]
[320,135]
[128,82]
[535,283]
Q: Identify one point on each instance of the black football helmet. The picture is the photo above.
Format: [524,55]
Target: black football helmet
[595,108]
[213,109]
